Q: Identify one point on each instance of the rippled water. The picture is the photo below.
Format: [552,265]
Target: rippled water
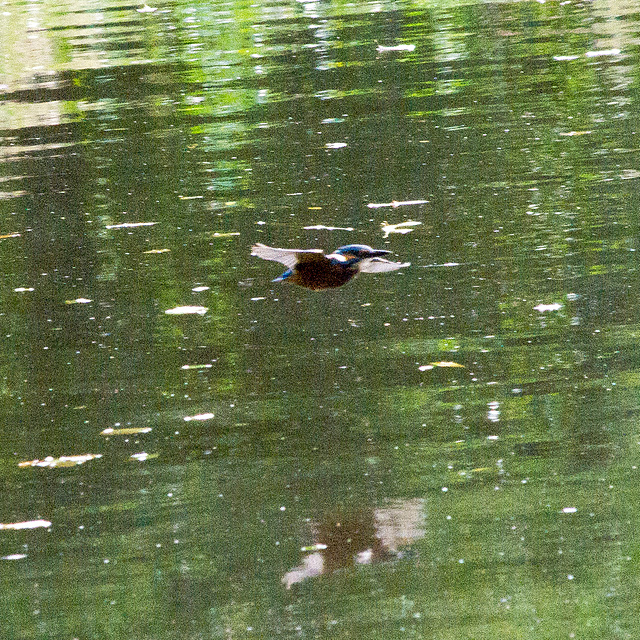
[192,451]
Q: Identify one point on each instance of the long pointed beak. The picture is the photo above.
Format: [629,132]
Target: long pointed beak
[376,253]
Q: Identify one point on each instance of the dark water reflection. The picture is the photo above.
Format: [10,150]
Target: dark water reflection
[445,451]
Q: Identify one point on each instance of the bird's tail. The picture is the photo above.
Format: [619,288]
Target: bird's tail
[284,276]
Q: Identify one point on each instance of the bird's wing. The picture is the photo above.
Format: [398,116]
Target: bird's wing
[379,265]
[288,257]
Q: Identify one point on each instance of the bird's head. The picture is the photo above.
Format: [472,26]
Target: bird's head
[354,253]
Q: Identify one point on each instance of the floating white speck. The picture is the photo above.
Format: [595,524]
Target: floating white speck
[542,308]
[23,289]
[145,8]
[325,227]
[186,310]
[258,298]
[398,47]
[62,461]
[569,510]
[572,134]
[228,234]
[602,52]
[141,457]
[14,556]
[335,145]
[400,227]
[589,54]
[29,524]
[78,301]
[443,364]
[199,289]
[127,431]
[199,416]
[395,203]
[129,225]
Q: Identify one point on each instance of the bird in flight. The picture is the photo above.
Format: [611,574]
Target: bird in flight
[313,269]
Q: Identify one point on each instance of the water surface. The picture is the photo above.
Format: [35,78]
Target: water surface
[441,452]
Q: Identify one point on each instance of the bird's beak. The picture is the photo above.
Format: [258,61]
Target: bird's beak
[377,253]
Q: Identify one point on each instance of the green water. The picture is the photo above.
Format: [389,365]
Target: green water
[445,451]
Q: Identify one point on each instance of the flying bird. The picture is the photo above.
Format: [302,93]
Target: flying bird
[313,269]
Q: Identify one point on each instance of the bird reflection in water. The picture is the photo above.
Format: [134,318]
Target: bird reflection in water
[360,537]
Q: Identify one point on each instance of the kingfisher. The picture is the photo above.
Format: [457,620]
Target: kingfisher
[313,269]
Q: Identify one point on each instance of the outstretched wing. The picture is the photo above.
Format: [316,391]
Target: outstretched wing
[288,257]
[379,265]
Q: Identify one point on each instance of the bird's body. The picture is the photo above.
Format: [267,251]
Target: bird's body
[313,269]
